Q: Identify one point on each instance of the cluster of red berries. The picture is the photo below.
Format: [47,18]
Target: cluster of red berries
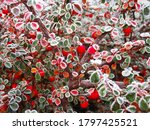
[93,96]
[5,11]
[127,30]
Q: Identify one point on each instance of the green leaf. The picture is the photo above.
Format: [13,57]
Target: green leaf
[35,43]
[111,76]
[75,38]
[14,106]
[24,98]
[37,76]
[62,12]
[1,80]
[118,56]
[18,92]
[68,6]
[78,23]
[148,41]
[70,99]
[128,60]
[6,81]
[55,19]
[146,11]
[131,96]
[73,27]
[39,36]
[147,98]
[147,49]
[115,106]
[67,15]
[13,55]
[103,1]
[27,91]
[116,92]
[18,99]
[120,111]
[54,43]
[2,87]
[47,91]
[8,65]
[42,99]
[120,100]
[102,91]
[67,94]
[131,109]
[129,88]
[143,105]
[94,78]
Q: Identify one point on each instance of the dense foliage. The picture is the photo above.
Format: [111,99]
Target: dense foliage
[79,56]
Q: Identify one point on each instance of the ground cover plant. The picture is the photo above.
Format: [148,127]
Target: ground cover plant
[74,56]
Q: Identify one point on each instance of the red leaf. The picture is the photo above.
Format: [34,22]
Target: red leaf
[74,92]
[19,25]
[34,25]
[109,59]
[57,101]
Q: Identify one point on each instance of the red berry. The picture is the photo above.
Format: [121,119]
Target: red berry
[14,85]
[27,97]
[39,29]
[82,40]
[35,92]
[127,31]
[32,36]
[52,88]
[65,53]
[49,100]
[34,53]
[29,88]
[16,76]
[107,15]
[135,67]
[91,50]
[81,49]
[49,48]
[9,43]
[0,15]
[94,35]
[42,73]
[5,11]
[89,15]
[33,104]
[52,78]
[84,104]
[94,95]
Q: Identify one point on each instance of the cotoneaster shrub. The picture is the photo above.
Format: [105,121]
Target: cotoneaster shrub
[79,56]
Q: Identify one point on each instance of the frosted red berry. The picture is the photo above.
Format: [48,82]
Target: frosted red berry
[94,95]
[42,73]
[91,50]
[127,31]
[84,104]
[49,48]
[52,78]
[14,85]
[5,11]
[81,49]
